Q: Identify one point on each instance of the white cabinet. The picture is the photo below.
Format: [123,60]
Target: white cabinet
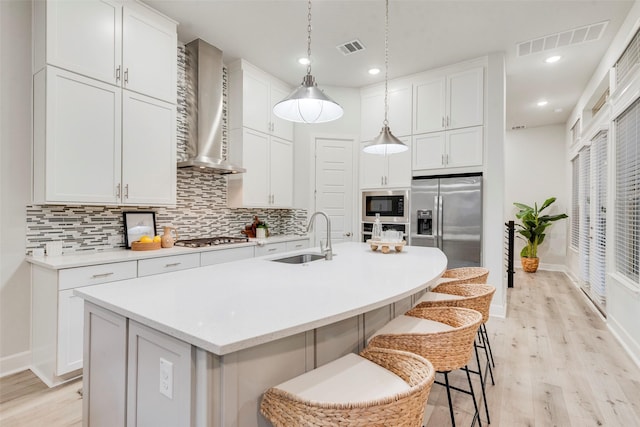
[271,249]
[449,149]
[372,109]
[225,255]
[135,47]
[295,245]
[448,101]
[252,95]
[393,170]
[166,264]
[96,144]
[268,160]
[57,320]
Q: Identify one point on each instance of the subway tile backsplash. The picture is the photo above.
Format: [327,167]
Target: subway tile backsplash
[201,207]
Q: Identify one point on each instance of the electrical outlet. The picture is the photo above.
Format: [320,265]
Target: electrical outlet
[166,378]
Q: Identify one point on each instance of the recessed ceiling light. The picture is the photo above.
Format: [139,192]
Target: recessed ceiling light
[374,71]
[552,59]
[558,110]
[542,103]
[304,61]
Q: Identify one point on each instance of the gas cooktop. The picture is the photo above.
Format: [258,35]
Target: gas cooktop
[210,241]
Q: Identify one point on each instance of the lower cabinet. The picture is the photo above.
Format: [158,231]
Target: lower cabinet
[271,249]
[226,255]
[148,267]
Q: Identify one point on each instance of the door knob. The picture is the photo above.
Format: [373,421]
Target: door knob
[347,234]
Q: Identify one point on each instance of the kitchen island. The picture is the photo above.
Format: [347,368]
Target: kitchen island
[199,347]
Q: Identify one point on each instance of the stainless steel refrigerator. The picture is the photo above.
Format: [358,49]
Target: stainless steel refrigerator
[446,212]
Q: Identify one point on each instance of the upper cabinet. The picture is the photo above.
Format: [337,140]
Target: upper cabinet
[252,95]
[128,45]
[390,171]
[259,141]
[372,109]
[449,101]
[104,114]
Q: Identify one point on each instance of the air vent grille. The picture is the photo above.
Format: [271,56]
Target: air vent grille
[351,47]
[572,37]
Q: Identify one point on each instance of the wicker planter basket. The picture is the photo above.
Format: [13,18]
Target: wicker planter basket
[530,265]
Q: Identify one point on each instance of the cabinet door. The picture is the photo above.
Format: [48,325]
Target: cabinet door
[281,172]
[372,169]
[256,114]
[149,43]
[399,167]
[70,332]
[399,114]
[148,150]
[429,151]
[255,181]
[82,160]
[270,249]
[296,245]
[464,147]
[73,41]
[429,105]
[280,128]
[466,100]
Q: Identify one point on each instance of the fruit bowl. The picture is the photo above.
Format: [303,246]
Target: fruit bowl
[140,246]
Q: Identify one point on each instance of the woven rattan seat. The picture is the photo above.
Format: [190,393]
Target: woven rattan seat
[447,350]
[475,296]
[465,275]
[318,398]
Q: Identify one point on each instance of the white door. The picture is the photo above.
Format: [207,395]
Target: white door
[334,188]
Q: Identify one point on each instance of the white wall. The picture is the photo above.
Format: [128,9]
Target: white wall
[535,169]
[15,183]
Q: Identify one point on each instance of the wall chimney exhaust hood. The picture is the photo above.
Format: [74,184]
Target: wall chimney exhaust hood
[204,110]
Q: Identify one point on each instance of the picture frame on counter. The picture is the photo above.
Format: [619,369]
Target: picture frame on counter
[138,224]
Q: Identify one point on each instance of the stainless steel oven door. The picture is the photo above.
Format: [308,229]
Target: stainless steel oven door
[391,205]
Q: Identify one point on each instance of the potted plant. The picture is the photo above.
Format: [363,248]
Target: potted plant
[532,231]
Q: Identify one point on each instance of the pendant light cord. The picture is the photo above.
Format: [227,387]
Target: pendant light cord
[386,64]
[309,37]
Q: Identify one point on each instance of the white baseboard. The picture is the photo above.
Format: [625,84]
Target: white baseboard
[15,363]
[631,347]
[552,267]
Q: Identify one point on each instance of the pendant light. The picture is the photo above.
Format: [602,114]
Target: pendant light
[385,143]
[308,103]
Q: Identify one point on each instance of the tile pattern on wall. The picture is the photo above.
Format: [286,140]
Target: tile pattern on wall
[201,206]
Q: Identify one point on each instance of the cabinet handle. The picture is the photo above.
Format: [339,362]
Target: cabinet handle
[118,74]
[381,180]
[386,180]
[172,264]
[448,121]
[126,75]
[272,249]
[118,190]
[101,276]
[126,191]
[446,158]
[443,163]
[442,121]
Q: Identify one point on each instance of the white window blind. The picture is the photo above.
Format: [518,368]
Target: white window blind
[629,58]
[575,200]
[575,132]
[585,214]
[627,193]
[597,273]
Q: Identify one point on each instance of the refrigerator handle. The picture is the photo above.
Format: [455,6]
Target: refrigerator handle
[440,222]
[436,221]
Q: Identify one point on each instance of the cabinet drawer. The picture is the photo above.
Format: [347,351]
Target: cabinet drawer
[148,267]
[270,249]
[225,255]
[297,244]
[70,278]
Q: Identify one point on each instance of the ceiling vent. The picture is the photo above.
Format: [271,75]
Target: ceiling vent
[350,47]
[572,37]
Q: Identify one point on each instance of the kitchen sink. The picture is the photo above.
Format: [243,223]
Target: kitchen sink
[299,259]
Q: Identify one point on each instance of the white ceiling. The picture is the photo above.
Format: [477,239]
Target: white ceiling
[423,34]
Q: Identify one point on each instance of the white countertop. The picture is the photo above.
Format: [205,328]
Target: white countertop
[228,307]
[79,259]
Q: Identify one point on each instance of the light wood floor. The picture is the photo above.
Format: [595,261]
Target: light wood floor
[556,365]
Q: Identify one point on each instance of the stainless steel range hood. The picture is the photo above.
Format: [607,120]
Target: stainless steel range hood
[204,110]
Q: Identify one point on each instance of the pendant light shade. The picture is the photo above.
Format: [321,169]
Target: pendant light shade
[385,143]
[308,103]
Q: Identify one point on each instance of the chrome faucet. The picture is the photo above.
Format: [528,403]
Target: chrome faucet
[328,251]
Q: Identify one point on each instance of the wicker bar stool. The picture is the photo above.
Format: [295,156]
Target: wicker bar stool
[473,296]
[465,275]
[379,387]
[443,335]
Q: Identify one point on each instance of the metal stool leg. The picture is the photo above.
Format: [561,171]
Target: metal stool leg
[446,383]
[482,383]
[483,330]
[473,396]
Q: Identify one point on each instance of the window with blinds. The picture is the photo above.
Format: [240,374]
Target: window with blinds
[597,272]
[575,201]
[627,192]
[575,132]
[629,58]
[585,214]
